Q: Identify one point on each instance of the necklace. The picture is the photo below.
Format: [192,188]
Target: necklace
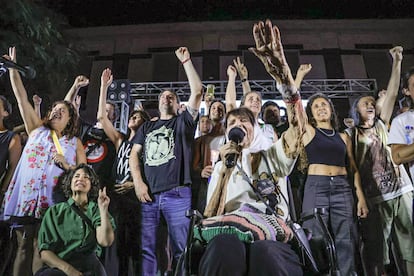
[361,127]
[327,134]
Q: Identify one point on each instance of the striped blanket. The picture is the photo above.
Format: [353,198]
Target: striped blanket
[247,223]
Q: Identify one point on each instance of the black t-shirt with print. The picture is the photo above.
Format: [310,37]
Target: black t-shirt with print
[167,151]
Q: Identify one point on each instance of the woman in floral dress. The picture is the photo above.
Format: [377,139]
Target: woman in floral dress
[42,161]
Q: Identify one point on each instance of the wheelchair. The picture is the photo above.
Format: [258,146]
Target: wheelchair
[316,253]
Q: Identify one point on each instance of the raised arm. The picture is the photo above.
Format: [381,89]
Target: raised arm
[385,105]
[104,232]
[29,116]
[37,101]
[231,95]
[79,82]
[243,74]
[107,125]
[269,50]
[196,86]
[303,70]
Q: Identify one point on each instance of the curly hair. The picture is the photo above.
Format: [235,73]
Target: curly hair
[334,116]
[71,128]
[93,177]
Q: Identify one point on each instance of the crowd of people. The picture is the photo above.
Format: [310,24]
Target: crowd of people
[88,200]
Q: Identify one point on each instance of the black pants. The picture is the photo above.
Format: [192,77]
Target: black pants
[335,195]
[227,255]
[89,265]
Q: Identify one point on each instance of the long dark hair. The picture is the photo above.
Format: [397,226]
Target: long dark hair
[334,116]
[71,128]
[7,107]
[93,177]
[354,110]
[144,115]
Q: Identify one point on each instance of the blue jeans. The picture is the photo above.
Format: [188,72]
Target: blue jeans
[172,204]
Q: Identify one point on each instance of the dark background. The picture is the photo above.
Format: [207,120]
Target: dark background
[81,13]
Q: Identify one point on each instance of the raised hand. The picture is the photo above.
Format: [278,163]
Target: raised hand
[241,68]
[80,81]
[106,78]
[396,53]
[269,50]
[103,199]
[182,54]
[77,102]
[231,72]
[12,54]
[37,100]
[304,69]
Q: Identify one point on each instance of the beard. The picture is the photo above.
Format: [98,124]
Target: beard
[272,119]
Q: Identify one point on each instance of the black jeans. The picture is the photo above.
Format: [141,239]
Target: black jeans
[227,255]
[89,265]
[333,193]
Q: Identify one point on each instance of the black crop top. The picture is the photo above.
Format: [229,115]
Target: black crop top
[326,149]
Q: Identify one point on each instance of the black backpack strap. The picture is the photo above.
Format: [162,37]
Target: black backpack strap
[82,215]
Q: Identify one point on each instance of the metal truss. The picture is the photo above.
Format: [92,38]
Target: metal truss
[333,88]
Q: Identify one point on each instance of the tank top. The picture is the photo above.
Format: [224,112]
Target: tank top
[5,138]
[326,147]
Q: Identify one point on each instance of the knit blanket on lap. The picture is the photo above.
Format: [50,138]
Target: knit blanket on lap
[247,223]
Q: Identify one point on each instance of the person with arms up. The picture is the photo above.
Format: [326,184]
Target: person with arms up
[206,153]
[326,150]
[125,205]
[265,135]
[164,187]
[401,138]
[385,184]
[230,191]
[51,149]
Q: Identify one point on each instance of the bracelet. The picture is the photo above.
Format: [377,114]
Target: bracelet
[292,99]
[243,80]
[184,61]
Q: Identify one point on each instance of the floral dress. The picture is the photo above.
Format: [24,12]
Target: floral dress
[30,191]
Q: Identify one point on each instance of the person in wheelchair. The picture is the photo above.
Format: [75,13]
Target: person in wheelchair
[240,183]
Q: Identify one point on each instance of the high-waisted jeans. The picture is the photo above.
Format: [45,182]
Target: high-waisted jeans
[333,193]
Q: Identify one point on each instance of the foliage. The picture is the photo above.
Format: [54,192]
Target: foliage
[36,32]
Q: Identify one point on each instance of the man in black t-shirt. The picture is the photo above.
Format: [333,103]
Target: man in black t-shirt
[164,187]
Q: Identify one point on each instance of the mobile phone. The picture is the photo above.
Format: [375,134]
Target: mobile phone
[210,90]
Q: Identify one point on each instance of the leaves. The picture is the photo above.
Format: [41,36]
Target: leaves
[37,34]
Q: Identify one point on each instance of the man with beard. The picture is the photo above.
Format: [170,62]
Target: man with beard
[271,115]
[164,186]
